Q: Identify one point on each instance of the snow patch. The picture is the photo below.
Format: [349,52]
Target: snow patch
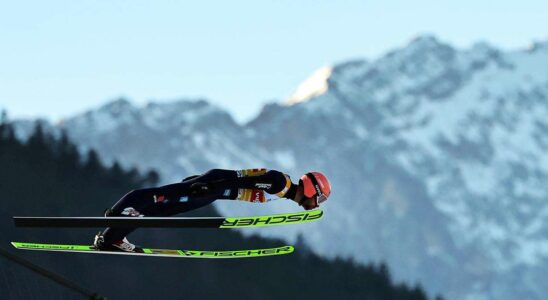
[315,85]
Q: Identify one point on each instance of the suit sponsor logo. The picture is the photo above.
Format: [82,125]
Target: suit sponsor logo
[159,199]
[263,185]
[258,196]
[130,211]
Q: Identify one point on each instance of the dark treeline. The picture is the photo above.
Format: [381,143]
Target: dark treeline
[46,177]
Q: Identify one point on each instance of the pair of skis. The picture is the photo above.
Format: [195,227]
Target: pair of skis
[185,222]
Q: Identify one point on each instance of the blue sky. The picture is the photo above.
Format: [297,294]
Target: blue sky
[58,58]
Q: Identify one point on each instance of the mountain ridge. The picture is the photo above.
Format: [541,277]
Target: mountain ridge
[434,151]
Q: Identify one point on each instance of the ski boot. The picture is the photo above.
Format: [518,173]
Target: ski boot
[120,246]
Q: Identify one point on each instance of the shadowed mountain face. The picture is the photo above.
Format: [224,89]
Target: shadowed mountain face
[47,177]
[436,156]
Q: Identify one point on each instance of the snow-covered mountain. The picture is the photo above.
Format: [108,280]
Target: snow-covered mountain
[437,157]
[175,138]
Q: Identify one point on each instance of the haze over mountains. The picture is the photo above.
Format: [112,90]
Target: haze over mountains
[436,156]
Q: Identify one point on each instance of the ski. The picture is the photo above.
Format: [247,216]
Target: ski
[189,222]
[159,252]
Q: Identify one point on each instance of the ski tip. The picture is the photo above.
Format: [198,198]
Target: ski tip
[15,244]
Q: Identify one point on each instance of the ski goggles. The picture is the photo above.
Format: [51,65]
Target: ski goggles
[320,197]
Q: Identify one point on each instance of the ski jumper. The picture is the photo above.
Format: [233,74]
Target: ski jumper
[197,191]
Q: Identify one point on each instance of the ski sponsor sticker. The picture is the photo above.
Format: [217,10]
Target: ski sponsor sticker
[272,220]
[239,253]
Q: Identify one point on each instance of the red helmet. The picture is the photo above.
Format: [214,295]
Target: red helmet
[316,185]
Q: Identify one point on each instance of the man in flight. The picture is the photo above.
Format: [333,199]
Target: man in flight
[196,191]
